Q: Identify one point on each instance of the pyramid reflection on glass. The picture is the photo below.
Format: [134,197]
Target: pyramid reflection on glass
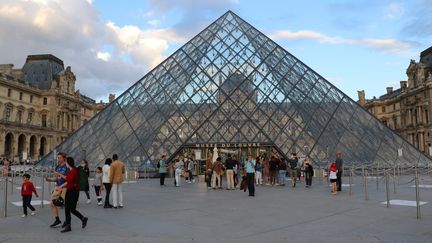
[232,84]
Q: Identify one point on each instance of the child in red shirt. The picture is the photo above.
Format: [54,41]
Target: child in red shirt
[333,177]
[27,190]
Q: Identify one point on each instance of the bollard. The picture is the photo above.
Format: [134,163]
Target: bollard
[417,193]
[394,180]
[12,182]
[365,183]
[387,189]
[5,197]
[377,176]
[350,181]
[43,188]
[399,174]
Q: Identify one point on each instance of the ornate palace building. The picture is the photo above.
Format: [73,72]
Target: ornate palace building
[39,107]
[408,110]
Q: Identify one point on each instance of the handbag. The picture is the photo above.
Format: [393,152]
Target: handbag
[59,202]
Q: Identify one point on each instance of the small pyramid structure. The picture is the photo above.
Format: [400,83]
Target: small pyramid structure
[233,84]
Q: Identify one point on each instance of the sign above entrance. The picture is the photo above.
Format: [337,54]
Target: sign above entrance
[227,145]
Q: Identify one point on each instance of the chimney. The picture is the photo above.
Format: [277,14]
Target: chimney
[389,90]
[361,97]
[111,98]
[403,85]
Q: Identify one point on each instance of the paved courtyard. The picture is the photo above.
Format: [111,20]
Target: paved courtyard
[191,213]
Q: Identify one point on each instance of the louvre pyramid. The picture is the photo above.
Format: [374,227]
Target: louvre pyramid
[232,84]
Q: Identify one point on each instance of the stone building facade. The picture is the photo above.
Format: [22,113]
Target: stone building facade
[408,110]
[39,107]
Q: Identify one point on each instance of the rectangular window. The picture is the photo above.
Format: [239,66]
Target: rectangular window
[59,101]
[9,92]
[426,116]
[19,116]
[44,120]
[383,109]
[30,118]
[21,96]
[394,107]
[8,112]
[45,101]
[31,98]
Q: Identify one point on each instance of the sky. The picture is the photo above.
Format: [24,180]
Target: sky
[111,44]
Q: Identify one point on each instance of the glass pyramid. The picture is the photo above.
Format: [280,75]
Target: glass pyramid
[231,84]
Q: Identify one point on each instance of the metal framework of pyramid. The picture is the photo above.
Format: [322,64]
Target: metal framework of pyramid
[232,84]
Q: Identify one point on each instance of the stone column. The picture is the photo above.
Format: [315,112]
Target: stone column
[27,145]
[37,147]
[421,141]
[420,114]
[14,146]
[2,143]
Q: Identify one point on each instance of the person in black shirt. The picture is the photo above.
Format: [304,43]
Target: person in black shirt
[339,165]
[308,172]
[229,165]
[273,170]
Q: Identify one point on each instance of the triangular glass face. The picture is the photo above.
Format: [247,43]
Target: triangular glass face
[232,85]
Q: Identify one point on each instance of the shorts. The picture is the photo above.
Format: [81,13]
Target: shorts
[333,180]
[293,173]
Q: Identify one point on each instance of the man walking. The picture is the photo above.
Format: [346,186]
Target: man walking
[293,168]
[60,169]
[117,172]
[229,165]
[339,165]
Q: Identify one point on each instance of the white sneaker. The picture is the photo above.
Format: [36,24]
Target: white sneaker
[23,216]
[33,213]
[100,203]
[88,201]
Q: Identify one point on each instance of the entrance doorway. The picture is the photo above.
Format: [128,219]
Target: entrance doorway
[21,146]
[9,146]
[200,152]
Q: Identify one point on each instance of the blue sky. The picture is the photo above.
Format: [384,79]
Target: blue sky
[110,44]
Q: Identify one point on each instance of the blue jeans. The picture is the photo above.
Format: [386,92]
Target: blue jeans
[282,177]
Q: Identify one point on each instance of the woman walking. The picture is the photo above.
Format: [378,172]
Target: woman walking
[107,182]
[83,175]
[71,199]
[258,172]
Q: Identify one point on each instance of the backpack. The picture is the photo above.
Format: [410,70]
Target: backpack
[158,165]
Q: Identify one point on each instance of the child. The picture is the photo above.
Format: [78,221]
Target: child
[98,184]
[27,190]
[333,177]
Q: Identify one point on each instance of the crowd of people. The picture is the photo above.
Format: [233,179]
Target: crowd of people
[253,171]
[70,180]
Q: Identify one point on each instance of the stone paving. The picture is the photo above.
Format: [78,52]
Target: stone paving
[191,213]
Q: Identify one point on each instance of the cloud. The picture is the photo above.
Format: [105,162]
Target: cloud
[53,26]
[193,14]
[104,56]
[419,22]
[394,11]
[153,22]
[385,45]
